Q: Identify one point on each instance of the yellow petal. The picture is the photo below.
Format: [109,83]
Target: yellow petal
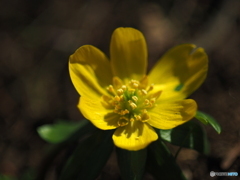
[180,71]
[135,136]
[90,71]
[128,54]
[171,114]
[100,117]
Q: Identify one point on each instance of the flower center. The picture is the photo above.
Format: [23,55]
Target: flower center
[131,101]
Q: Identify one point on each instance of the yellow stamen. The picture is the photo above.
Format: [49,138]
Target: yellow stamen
[124,88]
[152,100]
[144,92]
[123,121]
[111,89]
[135,85]
[130,101]
[135,99]
[146,102]
[137,117]
[145,117]
[123,112]
[151,87]
[132,104]
[120,92]
[121,98]
[117,98]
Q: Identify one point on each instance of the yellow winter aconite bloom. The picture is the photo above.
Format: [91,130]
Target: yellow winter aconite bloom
[118,94]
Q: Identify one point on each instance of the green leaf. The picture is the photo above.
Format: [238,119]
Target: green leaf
[89,157]
[207,119]
[189,135]
[161,164]
[56,133]
[132,163]
[86,129]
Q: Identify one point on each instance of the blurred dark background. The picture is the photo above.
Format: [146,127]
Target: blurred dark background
[37,37]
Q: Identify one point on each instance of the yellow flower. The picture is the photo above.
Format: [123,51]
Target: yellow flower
[118,94]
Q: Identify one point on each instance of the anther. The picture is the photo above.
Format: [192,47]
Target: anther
[144,92]
[132,104]
[152,100]
[135,85]
[135,99]
[110,89]
[146,102]
[124,88]
[121,98]
[137,117]
[123,112]
[120,92]
[131,119]
[151,87]
[117,98]
[145,117]
[123,121]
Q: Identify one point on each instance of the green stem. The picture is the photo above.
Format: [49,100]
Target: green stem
[178,151]
[58,148]
[180,148]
